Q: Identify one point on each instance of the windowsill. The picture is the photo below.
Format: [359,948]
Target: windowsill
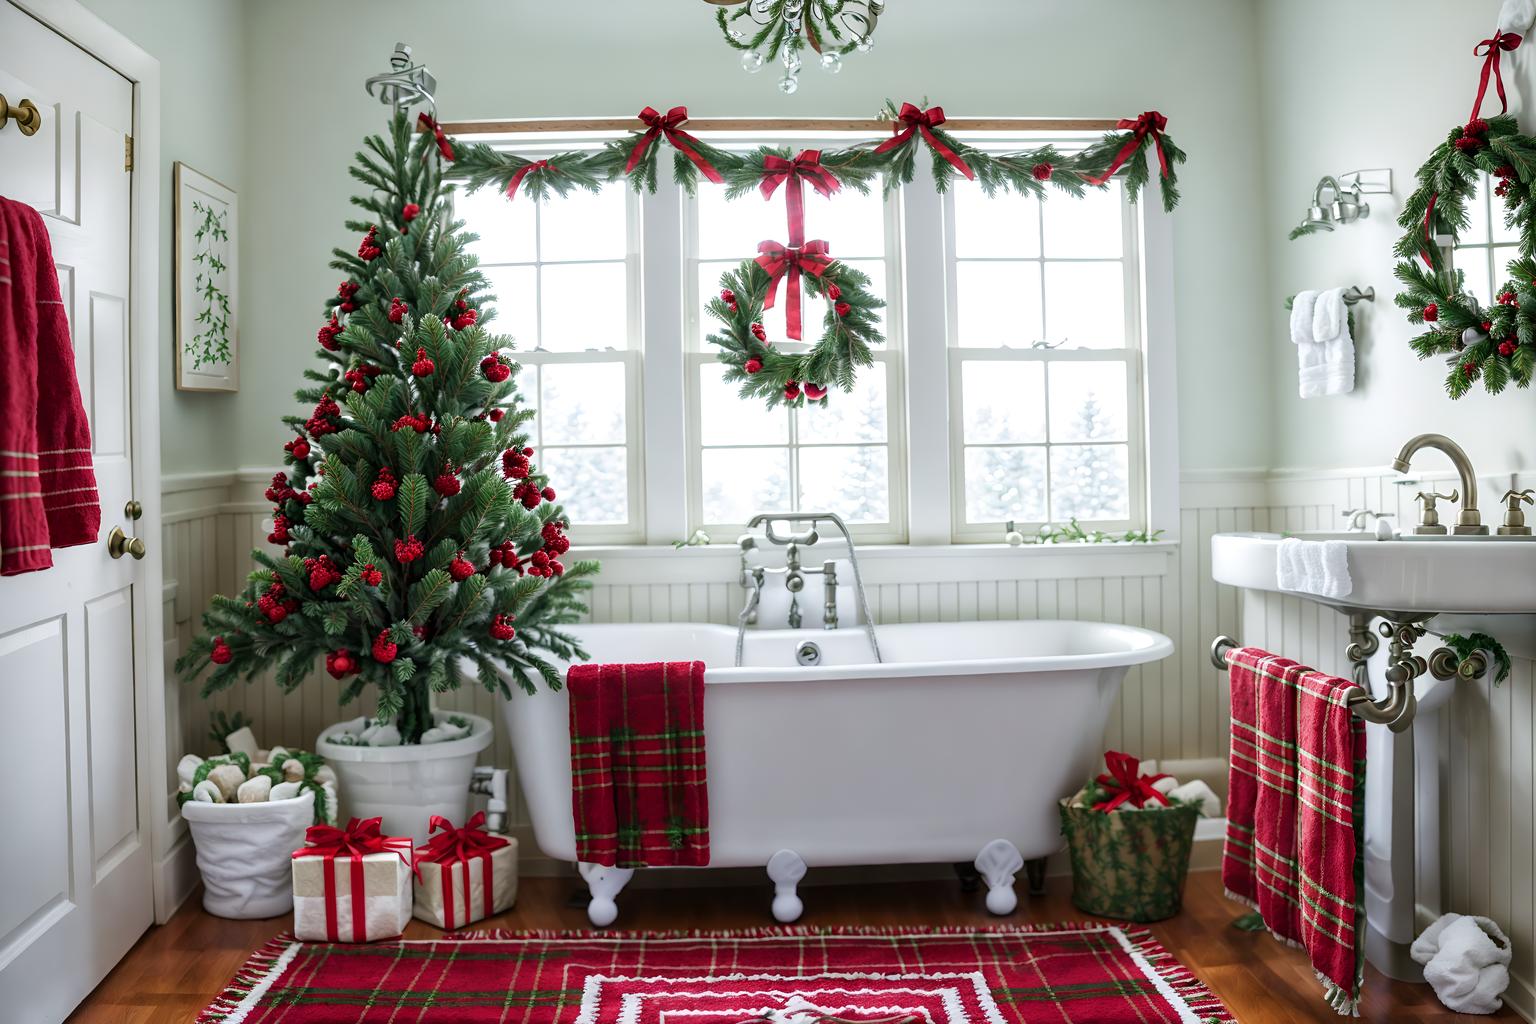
[896,563]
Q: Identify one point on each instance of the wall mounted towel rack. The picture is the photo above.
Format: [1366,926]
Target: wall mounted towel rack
[1395,711]
[1354,293]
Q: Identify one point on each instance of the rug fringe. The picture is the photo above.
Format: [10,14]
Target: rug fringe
[1195,993]
[256,967]
[789,931]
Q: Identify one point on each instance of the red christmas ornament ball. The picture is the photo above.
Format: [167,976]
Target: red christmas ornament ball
[460,568]
[409,211]
[791,391]
[815,392]
[384,649]
[1042,171]
[1431,313]
[753,365]
[221,654]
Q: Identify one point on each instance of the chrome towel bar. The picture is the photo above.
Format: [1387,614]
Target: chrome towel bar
[1395,711]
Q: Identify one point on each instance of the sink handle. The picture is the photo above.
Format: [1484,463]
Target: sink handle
[1429,520]
[1514,516]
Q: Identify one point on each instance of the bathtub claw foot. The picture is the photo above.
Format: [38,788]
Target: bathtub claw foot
[785,869]
[999,861]
[604,884]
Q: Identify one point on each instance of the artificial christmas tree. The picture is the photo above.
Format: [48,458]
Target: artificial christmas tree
[420,541]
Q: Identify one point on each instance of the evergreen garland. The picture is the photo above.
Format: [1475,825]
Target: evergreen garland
[1496,345]
[415,527]
[1025,172]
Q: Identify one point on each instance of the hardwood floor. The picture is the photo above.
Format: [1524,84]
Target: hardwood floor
[176,969]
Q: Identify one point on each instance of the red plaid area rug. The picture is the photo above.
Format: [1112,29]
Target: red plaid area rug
[1086,972]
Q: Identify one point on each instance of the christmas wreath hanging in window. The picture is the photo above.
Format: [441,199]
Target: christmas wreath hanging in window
[1495,344]
[805,270]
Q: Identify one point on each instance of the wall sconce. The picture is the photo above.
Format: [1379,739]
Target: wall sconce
[1341,200]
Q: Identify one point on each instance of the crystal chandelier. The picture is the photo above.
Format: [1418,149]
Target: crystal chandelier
[769,30]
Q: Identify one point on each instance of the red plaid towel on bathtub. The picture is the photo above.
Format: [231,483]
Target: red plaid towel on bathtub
[638,787]
[1295,813]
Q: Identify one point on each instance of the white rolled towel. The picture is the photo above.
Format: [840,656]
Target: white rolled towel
[1197,792]
[1466,961]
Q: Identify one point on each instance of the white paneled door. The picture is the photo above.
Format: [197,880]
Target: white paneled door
[75,874]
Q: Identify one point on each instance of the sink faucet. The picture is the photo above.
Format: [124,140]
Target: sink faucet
[1470,521]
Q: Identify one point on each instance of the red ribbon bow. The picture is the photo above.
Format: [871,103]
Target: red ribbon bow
[1149,123]
[1491,50]
[1125,785]
[459,846]
[670,126]
[780,261]
[523,172]
[443,145]
[359,839]
[924,121]
[794,173]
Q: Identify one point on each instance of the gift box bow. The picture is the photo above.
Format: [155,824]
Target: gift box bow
[1124,783]
[454,845]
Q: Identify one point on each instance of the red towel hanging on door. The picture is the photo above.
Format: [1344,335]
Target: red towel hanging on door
[47,485]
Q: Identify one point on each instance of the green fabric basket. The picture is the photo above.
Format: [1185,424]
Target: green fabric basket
[1129,865]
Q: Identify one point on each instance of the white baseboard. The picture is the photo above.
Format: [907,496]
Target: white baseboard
[175,877]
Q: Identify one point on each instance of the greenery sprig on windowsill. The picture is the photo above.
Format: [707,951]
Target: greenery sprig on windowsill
[1075,533]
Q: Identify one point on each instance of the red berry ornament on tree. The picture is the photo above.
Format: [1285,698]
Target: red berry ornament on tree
[496,414]
[548,494]
[279,534]
[1487,325]
[327,335]
[385,485]
[833,292]
[370,575]
[298,448]
[515,464]
[1042,171]
[843,309]
[495,369]
[1508,299]
[397,310]
[729,298]
[1507,348]
[423,366]
[368,250]
[1469,369]
[501,628]
[322,572]
[325,419]
[460,568]
[753,365]
[791,391]
[221,654]
[341,664]
[409,211]
[384,649]
[408,550]
[446,484]
[1431,313]
[759,333]
[815,392]
[347,290]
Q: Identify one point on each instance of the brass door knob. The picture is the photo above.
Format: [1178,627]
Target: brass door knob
[133,510]
[119,544]
[26,115]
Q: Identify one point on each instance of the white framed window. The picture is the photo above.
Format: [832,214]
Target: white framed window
[1484,249]
[566,273]
[743,458]
[1045,361]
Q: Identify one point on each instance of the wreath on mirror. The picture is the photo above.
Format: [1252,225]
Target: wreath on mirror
[850,325]
[1496,344]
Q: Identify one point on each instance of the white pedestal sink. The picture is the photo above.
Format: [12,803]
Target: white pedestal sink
[1412,575]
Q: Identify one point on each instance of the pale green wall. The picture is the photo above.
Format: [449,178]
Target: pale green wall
[202,62]
[267,95]
[1352,103]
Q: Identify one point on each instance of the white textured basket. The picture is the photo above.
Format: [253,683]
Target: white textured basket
[407,784]
[245,852]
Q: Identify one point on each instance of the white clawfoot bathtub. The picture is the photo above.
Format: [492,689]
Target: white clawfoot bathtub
[955,748]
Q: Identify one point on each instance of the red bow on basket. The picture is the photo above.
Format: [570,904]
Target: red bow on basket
[359,839]
[1491,50]
[459,846]
[1150,123]
[923,121]
[793,173]
[1124,784]
[670,125]
[780,261]
[443,145]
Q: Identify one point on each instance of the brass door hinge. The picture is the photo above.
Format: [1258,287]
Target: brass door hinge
[127,152]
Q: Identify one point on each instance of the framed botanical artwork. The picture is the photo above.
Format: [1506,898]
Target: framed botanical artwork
[207,284]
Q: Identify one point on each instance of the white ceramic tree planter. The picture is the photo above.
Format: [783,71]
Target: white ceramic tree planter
[406,785]
[245,853]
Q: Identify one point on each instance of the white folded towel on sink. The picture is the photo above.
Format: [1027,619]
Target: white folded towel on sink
[1318,567]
